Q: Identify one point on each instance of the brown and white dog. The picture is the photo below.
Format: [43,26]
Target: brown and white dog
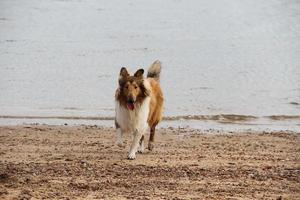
[139,102]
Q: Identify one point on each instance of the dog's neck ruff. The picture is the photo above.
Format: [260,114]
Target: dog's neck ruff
[131,120]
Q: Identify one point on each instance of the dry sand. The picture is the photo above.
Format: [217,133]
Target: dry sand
[82,162]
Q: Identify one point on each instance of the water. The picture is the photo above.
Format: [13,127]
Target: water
[62,57]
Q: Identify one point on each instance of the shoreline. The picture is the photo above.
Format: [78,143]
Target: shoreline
[220,117]
[76,162]
[220,122]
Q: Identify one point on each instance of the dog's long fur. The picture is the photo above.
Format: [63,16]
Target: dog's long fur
[139,104]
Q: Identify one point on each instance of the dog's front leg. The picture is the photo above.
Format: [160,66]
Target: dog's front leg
[137,135]
[119,141]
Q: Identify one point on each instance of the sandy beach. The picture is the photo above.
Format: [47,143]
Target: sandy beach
[230,78]
[82,162]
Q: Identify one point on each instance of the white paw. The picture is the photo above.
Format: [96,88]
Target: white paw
[131,156]
[141,148]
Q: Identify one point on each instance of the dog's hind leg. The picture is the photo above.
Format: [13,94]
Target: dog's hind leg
[141,147]
[135,144]
[151,138]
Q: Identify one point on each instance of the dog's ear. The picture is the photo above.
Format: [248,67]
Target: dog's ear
[123,72]
[123,75]
[139,73]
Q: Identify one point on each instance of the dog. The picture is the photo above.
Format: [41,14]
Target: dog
[138,104]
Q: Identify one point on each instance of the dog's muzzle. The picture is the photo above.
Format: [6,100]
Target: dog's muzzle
[130,104]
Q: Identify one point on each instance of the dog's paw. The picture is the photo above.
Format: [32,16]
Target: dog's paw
[120,144]
[141,151]
[141,148]
[131,156]
[150,146]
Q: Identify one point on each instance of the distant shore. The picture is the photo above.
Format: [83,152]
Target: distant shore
[82,162]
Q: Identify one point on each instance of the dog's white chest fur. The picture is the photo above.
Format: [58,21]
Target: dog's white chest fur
[132,120]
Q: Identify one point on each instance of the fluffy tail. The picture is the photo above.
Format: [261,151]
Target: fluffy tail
[154,70]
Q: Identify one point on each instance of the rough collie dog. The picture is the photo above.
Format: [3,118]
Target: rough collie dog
[139,104]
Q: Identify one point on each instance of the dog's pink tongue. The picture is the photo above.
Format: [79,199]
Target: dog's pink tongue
[130,106]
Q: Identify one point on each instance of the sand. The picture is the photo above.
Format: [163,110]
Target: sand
[82,162]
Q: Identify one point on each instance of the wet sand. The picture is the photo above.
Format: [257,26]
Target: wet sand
[82,162]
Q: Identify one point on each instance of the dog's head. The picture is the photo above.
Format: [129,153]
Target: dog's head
[132,88]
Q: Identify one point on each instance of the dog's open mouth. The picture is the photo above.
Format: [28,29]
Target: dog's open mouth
[130,105]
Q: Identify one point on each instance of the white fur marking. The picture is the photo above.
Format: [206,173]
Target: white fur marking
[133,121]
[119,138]
[141,147]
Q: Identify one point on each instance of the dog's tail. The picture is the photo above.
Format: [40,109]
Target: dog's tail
[154,70]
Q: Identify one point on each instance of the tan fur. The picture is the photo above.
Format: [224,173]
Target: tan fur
[133,90]
[133,87]
[154,70]
[156,103]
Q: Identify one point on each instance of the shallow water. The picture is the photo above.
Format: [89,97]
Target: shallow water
[62,57]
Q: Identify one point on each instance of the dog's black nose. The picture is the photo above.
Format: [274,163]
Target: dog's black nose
[130,101]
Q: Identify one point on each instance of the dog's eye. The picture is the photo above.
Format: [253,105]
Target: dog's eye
[126,87]
[135,87]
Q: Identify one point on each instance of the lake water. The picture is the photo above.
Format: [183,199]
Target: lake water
[61,58]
